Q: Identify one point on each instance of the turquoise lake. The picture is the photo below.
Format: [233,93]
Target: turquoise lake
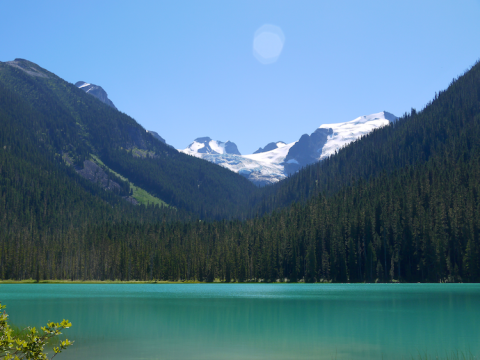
[254,321]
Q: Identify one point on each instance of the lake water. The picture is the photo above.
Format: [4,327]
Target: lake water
[254,321]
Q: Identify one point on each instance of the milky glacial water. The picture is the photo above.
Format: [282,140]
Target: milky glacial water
[255,321]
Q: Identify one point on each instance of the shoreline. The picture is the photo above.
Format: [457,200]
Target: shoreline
[30,281]
[158,282]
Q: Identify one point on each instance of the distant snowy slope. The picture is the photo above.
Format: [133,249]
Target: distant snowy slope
[270,146]
[345,133]
[205,145]
[260,173]
[328,138]
[262,170]
[277,160]
[274,157]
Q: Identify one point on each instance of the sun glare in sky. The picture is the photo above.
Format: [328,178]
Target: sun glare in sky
[268,43]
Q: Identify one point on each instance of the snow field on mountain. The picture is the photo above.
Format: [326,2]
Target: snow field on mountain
[345,133]
[269,167]
[217,146]
[272,157]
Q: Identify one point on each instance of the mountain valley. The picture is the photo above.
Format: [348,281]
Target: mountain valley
[277,160]
[375,199]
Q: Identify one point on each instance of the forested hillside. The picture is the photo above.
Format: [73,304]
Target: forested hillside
[419,224]
[401,204]
[39,192]
[74,125]
[412,139]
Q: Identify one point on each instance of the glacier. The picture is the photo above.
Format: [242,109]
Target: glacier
[268,167]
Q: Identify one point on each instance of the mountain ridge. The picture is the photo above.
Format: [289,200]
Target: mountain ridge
[270,146]
[279,160]
[78,126]
[205,145]
[96,91]
[398,204]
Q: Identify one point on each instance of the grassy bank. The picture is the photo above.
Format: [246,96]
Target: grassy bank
[31,281]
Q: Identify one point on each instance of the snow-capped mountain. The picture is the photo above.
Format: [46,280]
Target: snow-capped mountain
[328,138]
[345,133]
[205,145]
[96,91]
[269,166]
[270,146]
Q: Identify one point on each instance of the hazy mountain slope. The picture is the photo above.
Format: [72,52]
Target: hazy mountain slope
[156,136]
[78,125]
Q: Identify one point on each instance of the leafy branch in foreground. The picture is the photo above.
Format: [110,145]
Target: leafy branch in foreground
[32,347]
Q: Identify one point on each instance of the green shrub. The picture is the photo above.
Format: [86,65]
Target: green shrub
[29,344]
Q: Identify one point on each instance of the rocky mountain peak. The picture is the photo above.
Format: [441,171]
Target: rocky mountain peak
[156,136]
[28,67]
[205,145]
[270,146]
[96,91]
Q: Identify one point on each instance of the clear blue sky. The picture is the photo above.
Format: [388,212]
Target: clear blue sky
[187,68]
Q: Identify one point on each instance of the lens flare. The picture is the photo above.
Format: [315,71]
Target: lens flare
[268,43]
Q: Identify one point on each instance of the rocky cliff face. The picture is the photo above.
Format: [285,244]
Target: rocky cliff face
[96,174]
[307,150]
[271,146]
[96,91]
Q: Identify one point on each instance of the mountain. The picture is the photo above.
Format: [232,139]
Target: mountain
[111,149]
[156,136]
[270,146]
[399,204]
[278,160]
[258,171]
[96,91]
[101,95]
[43,190]
[205,145]
[329,138]
[410,140]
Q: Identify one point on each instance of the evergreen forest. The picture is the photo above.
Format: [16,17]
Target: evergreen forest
[400,204]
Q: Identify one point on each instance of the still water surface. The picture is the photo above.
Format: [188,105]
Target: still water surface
[254,321]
